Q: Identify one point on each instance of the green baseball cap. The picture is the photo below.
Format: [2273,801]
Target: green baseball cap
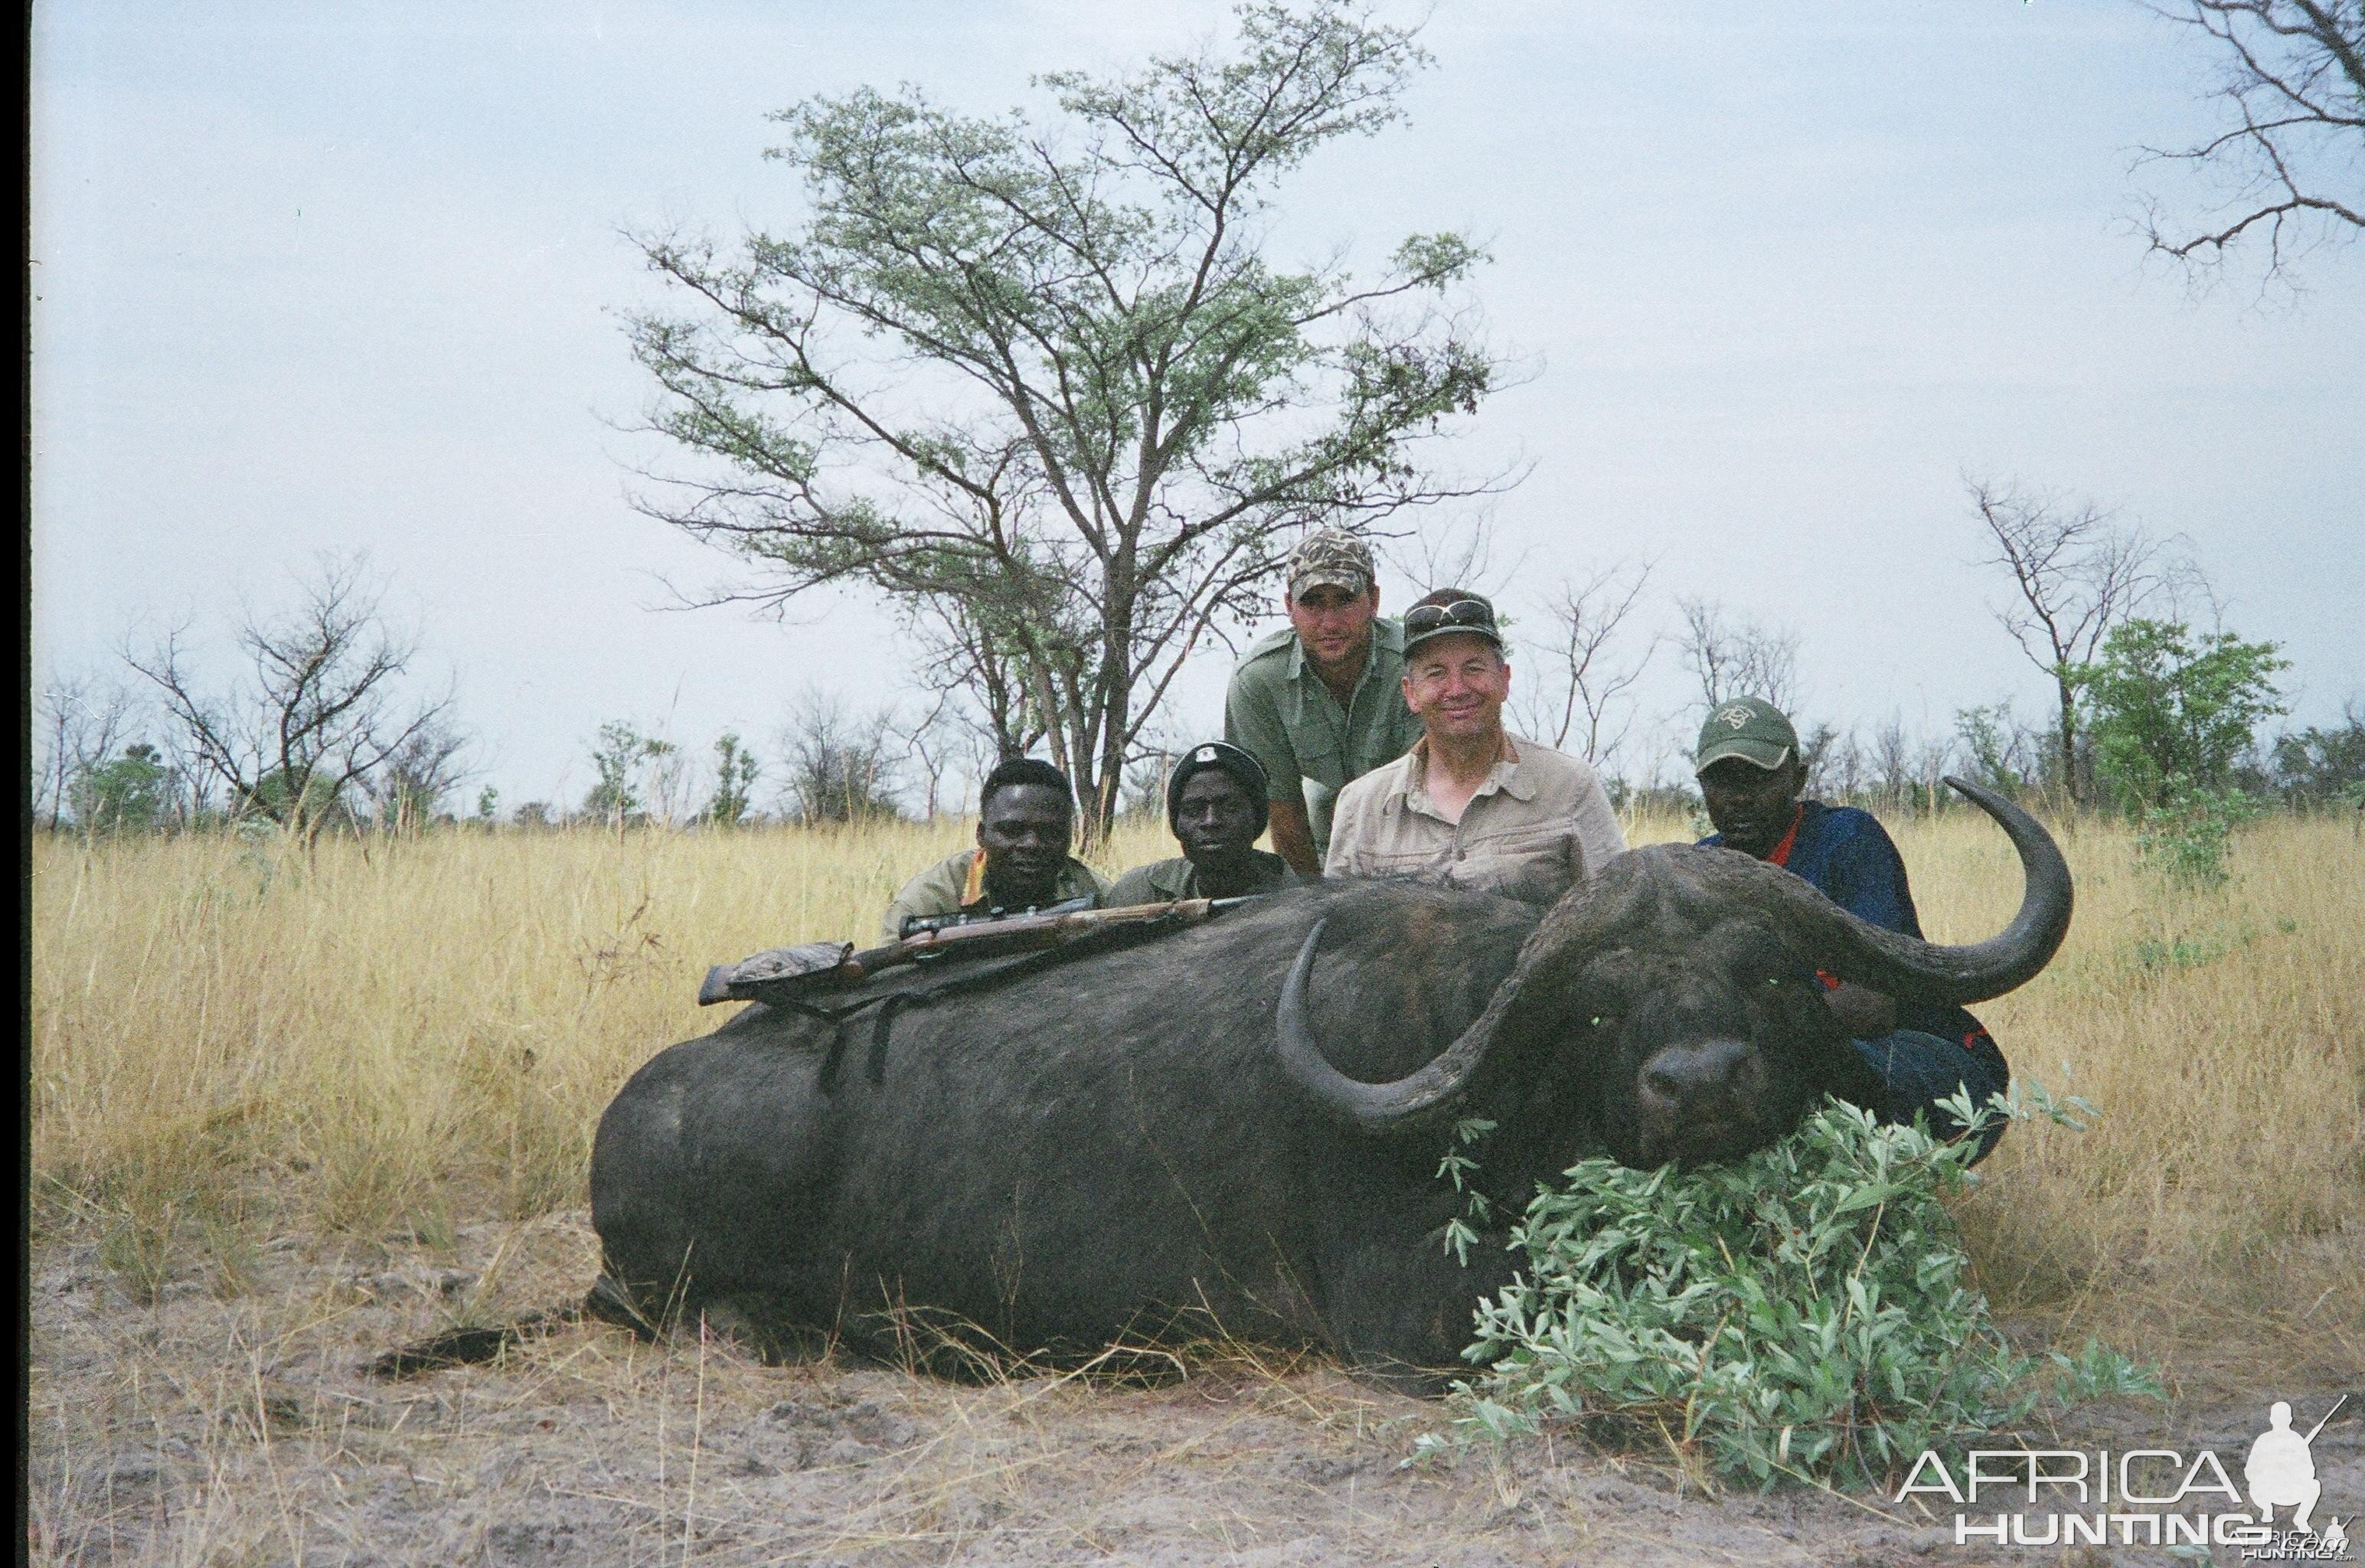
[1749,728]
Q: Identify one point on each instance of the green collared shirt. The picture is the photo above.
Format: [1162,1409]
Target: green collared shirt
[1279,711]
[1164,881]
[958,881]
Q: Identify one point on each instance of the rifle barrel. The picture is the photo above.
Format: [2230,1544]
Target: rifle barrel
[1044,926]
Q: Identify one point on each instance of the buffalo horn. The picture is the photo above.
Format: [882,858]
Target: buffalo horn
[1932,972]
[1421,1099]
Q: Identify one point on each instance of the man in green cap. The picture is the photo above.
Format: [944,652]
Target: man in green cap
[1215,802]
[1751,774]
[1320,702]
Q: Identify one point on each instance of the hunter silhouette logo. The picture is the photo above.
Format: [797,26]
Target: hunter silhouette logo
[2281,1471]
[2145,1497]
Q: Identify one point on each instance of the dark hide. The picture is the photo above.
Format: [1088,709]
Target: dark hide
[1116,1148]
[1091,1155]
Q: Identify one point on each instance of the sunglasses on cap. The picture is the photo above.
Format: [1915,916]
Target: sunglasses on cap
[1473,613]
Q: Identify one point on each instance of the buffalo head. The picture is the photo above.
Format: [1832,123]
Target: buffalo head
[1665,995]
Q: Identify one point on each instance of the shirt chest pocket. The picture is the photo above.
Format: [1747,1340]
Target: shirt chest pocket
[1319,758]
[1525,842]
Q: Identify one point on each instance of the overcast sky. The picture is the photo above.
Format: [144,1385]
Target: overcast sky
[314,278]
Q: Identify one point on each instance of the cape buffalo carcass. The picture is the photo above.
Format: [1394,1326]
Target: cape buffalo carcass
[1240,1125]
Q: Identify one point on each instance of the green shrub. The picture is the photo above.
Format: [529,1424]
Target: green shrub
[2185,839]
[1804,1313]
[2155,953]
[2171,710]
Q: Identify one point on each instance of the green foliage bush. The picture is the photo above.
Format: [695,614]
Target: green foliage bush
[734,774]
[618,755]
[1805,1313]
[2186,836]
[2171,711]
[2320,766]
[2154,954]
[130,793]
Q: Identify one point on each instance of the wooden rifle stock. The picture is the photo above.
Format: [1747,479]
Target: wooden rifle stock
[783,972]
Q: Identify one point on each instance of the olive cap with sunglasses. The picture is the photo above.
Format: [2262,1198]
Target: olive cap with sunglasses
[1538,822]
[1447,613]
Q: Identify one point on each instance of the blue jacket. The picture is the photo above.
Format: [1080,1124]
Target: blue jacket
[1849,857]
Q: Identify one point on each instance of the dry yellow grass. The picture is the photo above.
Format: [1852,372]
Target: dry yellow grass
[233,1043]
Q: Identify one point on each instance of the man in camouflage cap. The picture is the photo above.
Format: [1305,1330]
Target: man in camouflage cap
[1320,702]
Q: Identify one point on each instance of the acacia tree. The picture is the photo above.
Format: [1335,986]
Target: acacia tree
[2288,167]
[1043,380]
[2076,573]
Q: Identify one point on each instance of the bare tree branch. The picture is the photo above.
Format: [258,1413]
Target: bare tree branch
[839,764]
[1733,656]
[2290,171]
[2077,572]
[410,787]
[80,724]
[317,715]
[1586,697]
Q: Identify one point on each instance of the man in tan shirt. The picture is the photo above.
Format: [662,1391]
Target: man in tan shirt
[1470,806]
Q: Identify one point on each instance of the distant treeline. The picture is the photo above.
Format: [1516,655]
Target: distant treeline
[839,770]
[321,727]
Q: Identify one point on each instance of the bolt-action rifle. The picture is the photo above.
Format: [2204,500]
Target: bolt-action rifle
[778,973]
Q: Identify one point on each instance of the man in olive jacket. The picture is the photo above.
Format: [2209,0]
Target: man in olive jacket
[1320,702]
[1025,820]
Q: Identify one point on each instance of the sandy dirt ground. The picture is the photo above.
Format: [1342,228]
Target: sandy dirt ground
[228,1422]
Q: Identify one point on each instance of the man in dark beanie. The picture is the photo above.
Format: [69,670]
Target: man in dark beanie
[1216,804]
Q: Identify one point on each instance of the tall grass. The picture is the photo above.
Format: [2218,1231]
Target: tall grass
[2219,1203]
[231,1041]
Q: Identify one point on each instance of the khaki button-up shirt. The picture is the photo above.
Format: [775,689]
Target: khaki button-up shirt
[1279,711]
[1540,825]
[956,881]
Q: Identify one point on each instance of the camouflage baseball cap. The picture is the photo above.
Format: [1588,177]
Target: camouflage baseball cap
[1329,557]
[1749,728]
